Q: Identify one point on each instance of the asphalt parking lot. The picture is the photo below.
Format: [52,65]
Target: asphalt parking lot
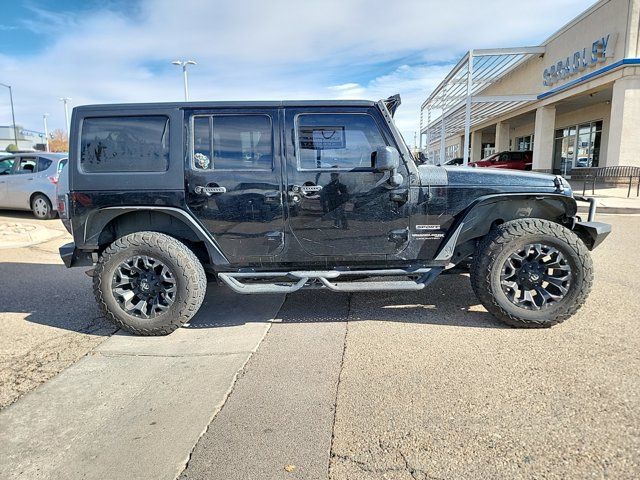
[370,386]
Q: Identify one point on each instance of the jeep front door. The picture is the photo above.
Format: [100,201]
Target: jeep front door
[338,204]
[234,180]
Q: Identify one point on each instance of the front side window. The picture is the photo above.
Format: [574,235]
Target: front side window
[232,142]
[125,144]
[6,164]
[337,141]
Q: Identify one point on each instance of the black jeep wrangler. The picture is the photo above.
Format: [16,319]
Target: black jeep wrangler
[272,197]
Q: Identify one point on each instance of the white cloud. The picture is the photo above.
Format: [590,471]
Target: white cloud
[251,49]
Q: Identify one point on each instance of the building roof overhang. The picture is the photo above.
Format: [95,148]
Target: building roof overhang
[459,99]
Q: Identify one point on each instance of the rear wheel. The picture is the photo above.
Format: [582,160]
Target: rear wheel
[532,273]
[41,207]
[149,283]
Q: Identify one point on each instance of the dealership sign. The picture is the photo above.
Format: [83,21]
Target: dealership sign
[588,57]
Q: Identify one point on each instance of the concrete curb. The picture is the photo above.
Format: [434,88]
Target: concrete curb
[21,234]
[611,210]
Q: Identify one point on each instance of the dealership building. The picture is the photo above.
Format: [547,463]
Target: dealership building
[574,100]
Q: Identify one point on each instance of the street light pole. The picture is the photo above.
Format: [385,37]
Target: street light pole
[13,115]
[185,78]
[65,100]
[46,130]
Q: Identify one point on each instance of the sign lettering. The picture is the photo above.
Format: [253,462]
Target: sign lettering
[596,53]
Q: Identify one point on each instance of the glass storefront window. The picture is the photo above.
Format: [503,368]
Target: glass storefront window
[577,146]
[524,143]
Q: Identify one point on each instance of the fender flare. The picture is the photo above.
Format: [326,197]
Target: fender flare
[98,220]
[476,220]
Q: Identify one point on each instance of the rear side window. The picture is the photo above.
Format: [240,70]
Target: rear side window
[26,165]
[125,144]
[232,142]
[61,165]
[43,164]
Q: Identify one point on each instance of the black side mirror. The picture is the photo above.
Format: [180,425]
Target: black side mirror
[387,159]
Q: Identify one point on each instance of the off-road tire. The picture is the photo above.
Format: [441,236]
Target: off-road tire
[41,207]
[495,247]
[191,281]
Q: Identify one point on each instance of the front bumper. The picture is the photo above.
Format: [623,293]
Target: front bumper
[592,233]
[73,257]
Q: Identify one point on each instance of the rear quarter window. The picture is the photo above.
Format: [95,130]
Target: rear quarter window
[125,144]
[43,164]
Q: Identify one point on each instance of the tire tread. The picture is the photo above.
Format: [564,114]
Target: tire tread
[492,244]
[191,271]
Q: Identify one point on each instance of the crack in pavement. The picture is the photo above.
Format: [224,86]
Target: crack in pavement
[239,374]
[335,402]
[415,473]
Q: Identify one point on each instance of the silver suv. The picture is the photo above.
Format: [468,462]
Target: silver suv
[28,182]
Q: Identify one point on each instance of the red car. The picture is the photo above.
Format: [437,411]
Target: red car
[512,160]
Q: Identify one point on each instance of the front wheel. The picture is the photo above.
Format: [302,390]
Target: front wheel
[532,273]
[149,283]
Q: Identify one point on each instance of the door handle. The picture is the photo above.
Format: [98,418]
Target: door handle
[306,188]
[209,190]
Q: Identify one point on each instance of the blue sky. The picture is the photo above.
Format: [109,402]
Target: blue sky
[120,51]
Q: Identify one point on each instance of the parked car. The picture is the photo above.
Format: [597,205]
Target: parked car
[512,160]
[273,197]
[452,162]
[62,194]
[582,162]
[28,182]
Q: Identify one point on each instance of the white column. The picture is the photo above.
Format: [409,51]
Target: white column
[543,138]
[624,131]
[502,136]
[467,111]
[443,138]
[476,145]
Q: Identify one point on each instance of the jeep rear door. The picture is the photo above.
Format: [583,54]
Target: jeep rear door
[339,206]
[234,179]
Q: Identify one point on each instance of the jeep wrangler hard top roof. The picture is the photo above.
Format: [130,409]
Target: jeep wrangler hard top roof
[232,104]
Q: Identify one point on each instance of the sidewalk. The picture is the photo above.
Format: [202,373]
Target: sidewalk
[19,233]
[609,199]
[135,406]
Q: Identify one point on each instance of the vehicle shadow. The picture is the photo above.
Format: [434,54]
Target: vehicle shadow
[62,298]
[448,301]
[51,295]
[20,215]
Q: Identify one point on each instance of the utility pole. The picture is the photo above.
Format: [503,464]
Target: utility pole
[65,100]
[13,115]
[184,64]
[46,130]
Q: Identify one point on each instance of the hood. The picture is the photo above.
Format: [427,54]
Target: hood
[490,177]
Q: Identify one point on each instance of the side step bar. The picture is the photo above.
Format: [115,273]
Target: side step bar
[293,281]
